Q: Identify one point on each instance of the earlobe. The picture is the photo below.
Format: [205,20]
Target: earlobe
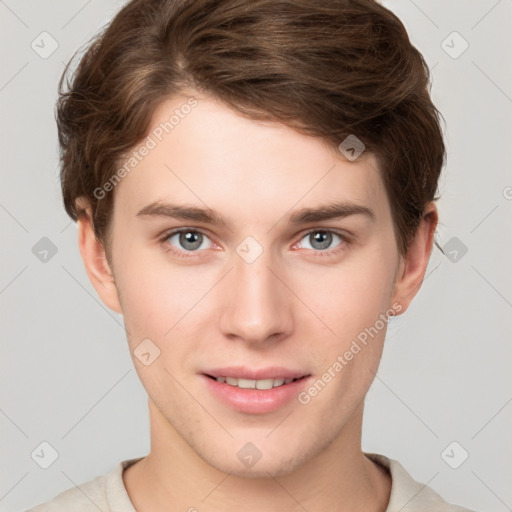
[414,264]
[96,263]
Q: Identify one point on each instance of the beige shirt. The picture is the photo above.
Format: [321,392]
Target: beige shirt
[108,493]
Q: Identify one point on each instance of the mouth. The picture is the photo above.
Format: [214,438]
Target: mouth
[261,384]
[253,390]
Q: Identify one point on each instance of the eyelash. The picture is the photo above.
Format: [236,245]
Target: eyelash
[345,241]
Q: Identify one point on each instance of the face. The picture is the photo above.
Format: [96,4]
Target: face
[234,274]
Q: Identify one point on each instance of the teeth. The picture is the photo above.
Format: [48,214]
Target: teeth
[246,384]
[268,383]
[253,384]
[277,382]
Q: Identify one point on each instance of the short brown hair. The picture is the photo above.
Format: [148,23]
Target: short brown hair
[327,68]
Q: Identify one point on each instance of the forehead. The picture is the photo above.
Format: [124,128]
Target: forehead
[202,152]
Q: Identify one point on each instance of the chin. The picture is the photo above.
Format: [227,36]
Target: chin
[267,465]
[270,469]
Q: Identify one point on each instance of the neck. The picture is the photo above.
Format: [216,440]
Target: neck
[173,477]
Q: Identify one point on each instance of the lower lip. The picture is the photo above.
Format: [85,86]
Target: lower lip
[255,401]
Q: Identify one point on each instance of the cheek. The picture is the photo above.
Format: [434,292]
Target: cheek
[355,304]
[157,296]
[351,297]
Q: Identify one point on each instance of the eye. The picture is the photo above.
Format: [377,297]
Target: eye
[187,240]
[320,240]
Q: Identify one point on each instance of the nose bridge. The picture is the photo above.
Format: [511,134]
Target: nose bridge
[257,306]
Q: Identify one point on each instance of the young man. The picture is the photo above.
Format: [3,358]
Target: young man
[254,188]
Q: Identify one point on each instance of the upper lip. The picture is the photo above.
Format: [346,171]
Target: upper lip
[243,372]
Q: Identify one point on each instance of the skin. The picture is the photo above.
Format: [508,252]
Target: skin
[295,306]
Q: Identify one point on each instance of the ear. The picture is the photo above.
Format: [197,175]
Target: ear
[95,260]
[413,265]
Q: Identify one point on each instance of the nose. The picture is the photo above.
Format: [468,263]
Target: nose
[258,305]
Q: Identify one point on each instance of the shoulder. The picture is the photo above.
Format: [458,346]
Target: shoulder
[408,495]
[86,497]
[106,493]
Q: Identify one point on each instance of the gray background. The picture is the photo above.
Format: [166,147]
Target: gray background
[66,375]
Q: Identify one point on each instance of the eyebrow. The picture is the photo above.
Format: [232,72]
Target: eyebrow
[337,210]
